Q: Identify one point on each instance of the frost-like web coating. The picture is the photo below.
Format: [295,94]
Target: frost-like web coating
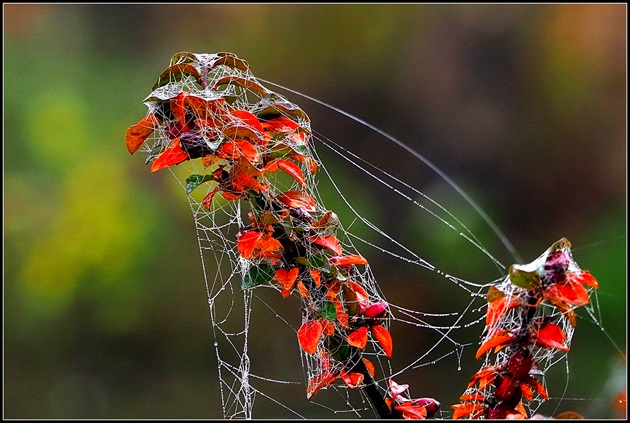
[245,155]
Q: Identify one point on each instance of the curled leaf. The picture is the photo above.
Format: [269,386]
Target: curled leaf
[551,336]
[138,133]
[502,337]
[330,242]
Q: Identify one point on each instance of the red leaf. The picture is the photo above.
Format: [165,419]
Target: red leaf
[469,410]
[411,411]
[257,244]
[348,260]
[322,380]
[500,338]
[171,156]
[361,294]
[330,242]
[211,110]
[570,292]
[309,335]
[280,124]
[551,336]
[287,279]
[537,386]
[237,148]
[358,338]
[297,199]
[583,277]
[498,307]
[342,316]
[244,181]
[329,327]
[292,170]
[247,242]
[384,338]
[138,133]
[352,379]
[472,397]
[316,276]
[369,366]
[179,111]
[303,290]
[248,118]
[484,377]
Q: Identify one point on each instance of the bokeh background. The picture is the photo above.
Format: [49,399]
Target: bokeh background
[105,311]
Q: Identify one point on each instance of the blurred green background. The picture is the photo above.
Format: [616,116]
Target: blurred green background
[105,310]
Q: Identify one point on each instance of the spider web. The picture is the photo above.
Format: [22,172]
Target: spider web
[258,378]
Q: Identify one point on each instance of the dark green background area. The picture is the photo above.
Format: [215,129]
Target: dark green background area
[105,309]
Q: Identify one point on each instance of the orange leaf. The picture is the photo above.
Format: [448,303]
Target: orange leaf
[498,307]
[333,287]
[352,379]
[138,133]
[536,385]
[358,338]
[329,327]
[412,411]
[468,410]
[361,294]
[179,111]
[384,338]
[287,279]
[280,124]
[173,155]
[309,335]
[244,181]
[570,291]
[584,277]
[303,290]
[329,242]
[316,276]
[348,260]
[551,336]
[292,170]
[297,199]
[257,244]
[324,379]
[472,397]
[210,110]
[502,337]
[369,366]
[247,243]
[248,118]
[484,376]
[236,148]
[342,316]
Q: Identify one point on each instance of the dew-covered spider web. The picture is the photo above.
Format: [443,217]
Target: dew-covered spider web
[294,251]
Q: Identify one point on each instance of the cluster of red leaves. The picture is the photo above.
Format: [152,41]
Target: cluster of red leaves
[291,240]
[497,391]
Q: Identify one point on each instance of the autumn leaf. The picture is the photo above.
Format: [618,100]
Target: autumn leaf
[348,260]
[551,336]
[287,279]
[330,242]
[384,339]
[138,133]
[352,379]
[297,199]
[570,292]
[358,338]
[469,410]
[309,335]
[173,155]
[500,338]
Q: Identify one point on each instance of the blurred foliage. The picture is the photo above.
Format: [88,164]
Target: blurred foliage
[105,313]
